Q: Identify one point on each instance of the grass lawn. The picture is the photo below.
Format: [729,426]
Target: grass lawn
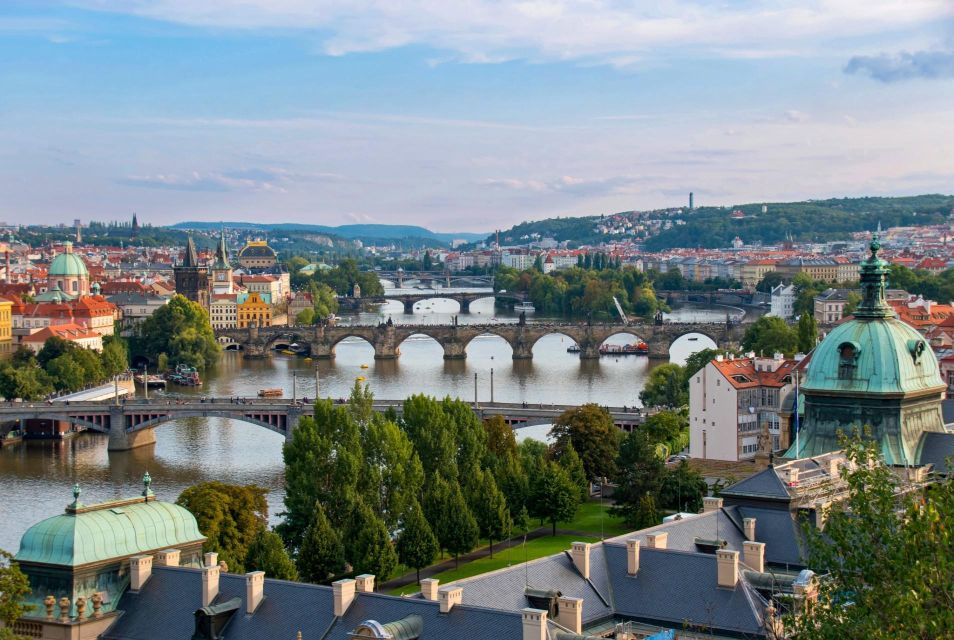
[545,546]
[588,519]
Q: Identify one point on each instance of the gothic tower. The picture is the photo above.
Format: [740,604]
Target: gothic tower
[192,279]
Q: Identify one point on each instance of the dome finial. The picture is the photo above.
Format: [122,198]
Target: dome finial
[76,504]
[146,482]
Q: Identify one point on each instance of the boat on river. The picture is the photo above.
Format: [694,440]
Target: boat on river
[152,381]
[185,376]
[634,349]
[270,393]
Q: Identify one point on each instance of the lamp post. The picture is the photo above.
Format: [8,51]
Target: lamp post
[294,386]
[317,383]
[491,385]
[145,379]
[475,391]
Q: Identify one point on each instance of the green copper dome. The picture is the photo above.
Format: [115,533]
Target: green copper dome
[68,264]
[85,535]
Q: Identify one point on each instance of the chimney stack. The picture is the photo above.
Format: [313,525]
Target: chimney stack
[657,540]
[790,475]
[711,503]
[211,559]
[343,594]
[632,556]
[749,525]
[580,552]
[450,597]
[168,558]
[821,514]
[570,613]
[728,568]
[834,468]
[534,624]
[140,568]
[364,583]
[210,584]
[753,555]
[254,590]
[429,588]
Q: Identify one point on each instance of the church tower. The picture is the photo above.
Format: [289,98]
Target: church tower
[192,279]
[222,270]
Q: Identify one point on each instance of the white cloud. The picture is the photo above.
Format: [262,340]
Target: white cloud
[234,180]
[619,32]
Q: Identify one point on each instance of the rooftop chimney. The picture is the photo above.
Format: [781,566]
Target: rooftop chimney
[580,551]
[749,525]
[753,555]
[254,590]
[210,584]
[728,568]
[211,559]
[168,558]
[632,556]
[821,514]
[570,614]
[711,503]
[450,597]
[534,624]
[834,468]
[140,568]
[429,588]
[365,583]
[344,595]
[658,540]
[789,475]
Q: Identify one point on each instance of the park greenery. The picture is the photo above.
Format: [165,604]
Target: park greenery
[178,333]
[585,290]
[340,278]
[884,558]
[770,335]
[668,384]
[14,585]
[938,287]
[60,366]
[324,304]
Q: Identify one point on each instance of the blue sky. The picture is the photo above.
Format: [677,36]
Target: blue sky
[465,114]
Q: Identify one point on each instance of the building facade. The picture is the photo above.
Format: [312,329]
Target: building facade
[256,254]
[253,309]
[783,302]
[192,279]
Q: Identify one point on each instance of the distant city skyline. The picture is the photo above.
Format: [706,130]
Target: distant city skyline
[464,116]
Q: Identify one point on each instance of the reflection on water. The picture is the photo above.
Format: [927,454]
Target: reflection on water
[36,477]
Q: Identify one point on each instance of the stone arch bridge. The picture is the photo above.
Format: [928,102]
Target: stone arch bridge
[386,338]
[463,298]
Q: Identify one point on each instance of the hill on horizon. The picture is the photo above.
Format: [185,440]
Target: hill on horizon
[349,231]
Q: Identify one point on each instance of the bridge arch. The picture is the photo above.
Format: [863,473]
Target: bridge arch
[277,425]
[427,339]
[569,339]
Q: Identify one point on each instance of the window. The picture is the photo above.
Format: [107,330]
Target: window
[848,360]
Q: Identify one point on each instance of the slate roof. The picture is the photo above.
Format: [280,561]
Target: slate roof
[778,529]
[504,589]
[765,484]
[169,599]
[683,533]
[935,448]
[677,588]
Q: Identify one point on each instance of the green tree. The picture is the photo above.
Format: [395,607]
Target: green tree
[668,431]
[573,465]
[230,516]
[115,356]
[27,382]
[459,526]
[321,555]
[417,546]
[267,553]
[645,514]
[306,316]
[501,441]
[682,489]
[182,331]
[666,387]
[14,585]
[66,373]
[640,474]
[769,335]
[696,361]
[807,332]
[324,300]
[53,348]
[769,281]
[887,556]
[489,508]
[852,300]
[588,429]
[553,496]
[368,545]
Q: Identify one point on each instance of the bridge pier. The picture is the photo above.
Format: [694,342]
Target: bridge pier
[322,350]
[408,306]
[522,351]
[589,350]
[465,305]
[454,350]
[122,440]
[659,350]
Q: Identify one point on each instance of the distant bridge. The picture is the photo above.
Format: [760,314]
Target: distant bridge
[386,338]
[446,278]
[132,424]
[462,298]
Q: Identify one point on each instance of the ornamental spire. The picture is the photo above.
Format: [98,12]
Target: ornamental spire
[874,272]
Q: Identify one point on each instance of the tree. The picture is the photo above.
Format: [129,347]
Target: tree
[571,462]
[852,300]
[115,356]
[306,316]
[321,555]
[416,546]
[66,373]
[769,335]
[887,554]
[645,514]
[181,330]
[553,496]
[27,382]
[427,263]
[14,585]
[53,348]
[230,516]
[267,553]
[668,431]
[501,441]
[666,387]
[588,429]
[368,545]
[640,474]
[490,508]
[696,361]
[769,281]
[807,332]
[459,526]
[682,488]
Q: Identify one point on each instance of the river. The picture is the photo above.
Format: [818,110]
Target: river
[36,477]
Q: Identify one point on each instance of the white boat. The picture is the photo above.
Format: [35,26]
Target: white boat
[524,307]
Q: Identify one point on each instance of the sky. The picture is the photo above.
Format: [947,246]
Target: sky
[465,115]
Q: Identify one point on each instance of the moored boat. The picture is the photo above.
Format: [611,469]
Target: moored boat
[270,393]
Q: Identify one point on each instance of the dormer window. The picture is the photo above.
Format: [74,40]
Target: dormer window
[847,360]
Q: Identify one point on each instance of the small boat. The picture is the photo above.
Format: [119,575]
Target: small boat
[270,393]
[288,352]
[574,348]
[524,307]
[635,349]
[360,379]
[153,381]
[693,339]
[185,376]
[364,366]
[307,358]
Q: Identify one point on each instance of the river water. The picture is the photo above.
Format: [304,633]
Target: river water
[36,477]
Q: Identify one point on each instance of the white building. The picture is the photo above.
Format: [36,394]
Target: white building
[223,311]
[783,302]
[731,402]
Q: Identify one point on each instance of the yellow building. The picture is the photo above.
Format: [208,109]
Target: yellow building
[6,320]
[254,308]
